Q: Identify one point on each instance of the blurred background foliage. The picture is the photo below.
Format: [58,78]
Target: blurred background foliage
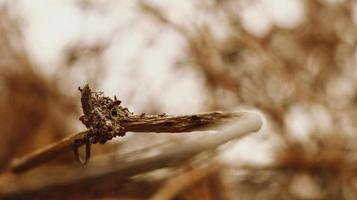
[293,61]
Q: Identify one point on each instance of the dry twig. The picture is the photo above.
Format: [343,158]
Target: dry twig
[57,179]
[105,119]
[152,123]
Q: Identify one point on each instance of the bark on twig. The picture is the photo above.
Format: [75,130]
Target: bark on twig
[45,154]
[57,180]
[135,123]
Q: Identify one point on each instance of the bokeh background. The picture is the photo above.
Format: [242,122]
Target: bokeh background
[293,61]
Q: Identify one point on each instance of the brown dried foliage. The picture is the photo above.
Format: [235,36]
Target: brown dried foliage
[27,101]
[274,73]
[34,109]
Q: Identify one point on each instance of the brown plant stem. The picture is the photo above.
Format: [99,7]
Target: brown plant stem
[137,123]
[37,183]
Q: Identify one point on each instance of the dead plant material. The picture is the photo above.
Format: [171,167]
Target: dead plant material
[324,169]
[60,178]
[105,119]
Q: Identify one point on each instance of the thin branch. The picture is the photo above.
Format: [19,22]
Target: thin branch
[46,154]
[136,123]
[56,180]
